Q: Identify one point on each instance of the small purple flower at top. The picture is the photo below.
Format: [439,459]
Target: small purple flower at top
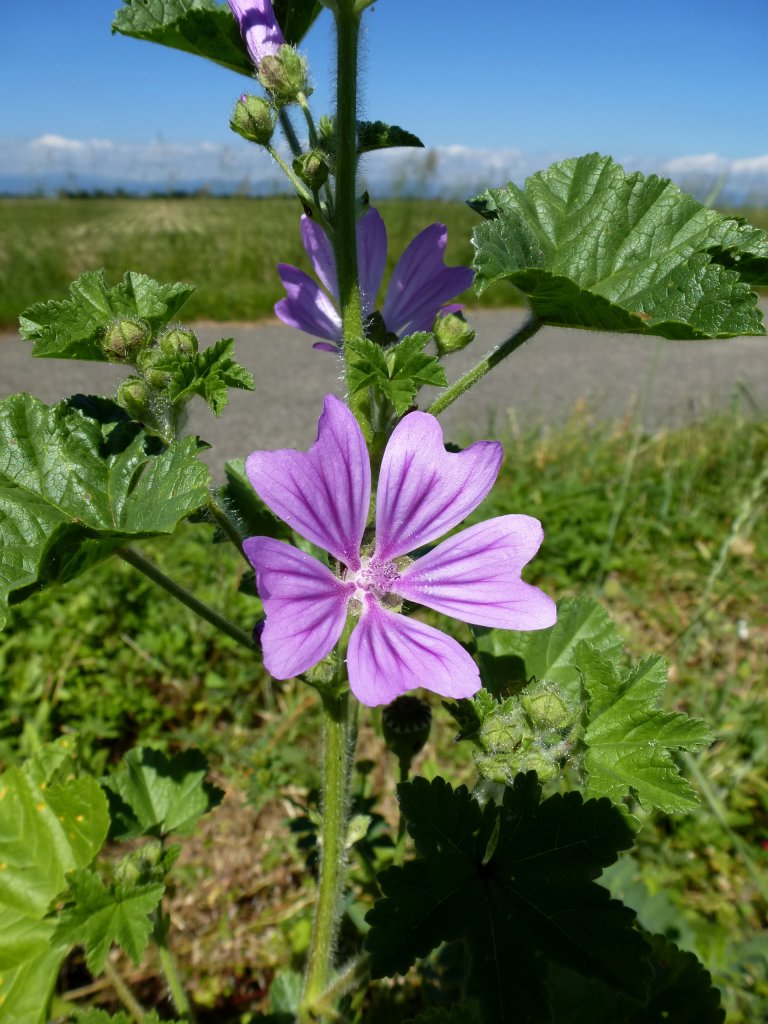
[424,491]
[258,27]
[420,285]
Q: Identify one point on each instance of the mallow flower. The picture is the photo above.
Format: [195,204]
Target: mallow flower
[424,491]
[420,285]
[258,27]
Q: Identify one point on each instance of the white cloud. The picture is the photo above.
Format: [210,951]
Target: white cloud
[454,171]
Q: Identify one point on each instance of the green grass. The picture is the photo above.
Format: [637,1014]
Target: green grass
[662,529]
[227,248]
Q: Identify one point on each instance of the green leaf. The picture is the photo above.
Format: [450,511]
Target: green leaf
[100,916]
[209,374]
[51,822]
[594,247]
[153,795]
[681,990]
[515,882]
[398,373]
[94,1016]
[77,480]
[206,28]
[373,135]
[72,328]
[509,658]
[745,250]
[629,740]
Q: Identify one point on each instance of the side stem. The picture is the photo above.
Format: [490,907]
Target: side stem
[138,561]
[457,389]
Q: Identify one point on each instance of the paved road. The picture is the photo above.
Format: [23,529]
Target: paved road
[667,383]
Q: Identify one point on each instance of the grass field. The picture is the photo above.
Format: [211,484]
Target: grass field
[664,529]
[227,248]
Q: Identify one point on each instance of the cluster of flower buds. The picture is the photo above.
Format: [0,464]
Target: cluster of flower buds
[144,396]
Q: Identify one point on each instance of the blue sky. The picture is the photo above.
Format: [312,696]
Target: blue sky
[650,79]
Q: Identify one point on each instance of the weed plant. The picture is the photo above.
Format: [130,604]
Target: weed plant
[663,528]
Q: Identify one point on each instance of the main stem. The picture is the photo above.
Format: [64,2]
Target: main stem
[333,831]
[457,389]
[345,219]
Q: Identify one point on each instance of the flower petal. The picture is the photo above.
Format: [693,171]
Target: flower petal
[305,605]
[320,251]
[475,576]
[371,257]
[424,491]
[421,283]
[306,306]
[258,27]
[323,494]
[389,654]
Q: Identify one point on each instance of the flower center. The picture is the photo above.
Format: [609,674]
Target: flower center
[375,578]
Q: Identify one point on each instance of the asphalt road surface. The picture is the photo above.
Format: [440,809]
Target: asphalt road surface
[665,383]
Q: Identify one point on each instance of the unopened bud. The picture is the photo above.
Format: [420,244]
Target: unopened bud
[548,707]
[284,75]
[406,723]
[133,395]
[253,118]
[125,338]
[452,333]
[178,341]
[146,364]
[312,169]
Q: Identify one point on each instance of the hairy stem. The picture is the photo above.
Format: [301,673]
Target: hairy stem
[471,377]
[345,218]
[124,994]
[332,839]
[289,133]
[143,564]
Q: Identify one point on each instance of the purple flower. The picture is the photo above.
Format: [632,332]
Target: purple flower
[424,491]
[420,282]
[258,27]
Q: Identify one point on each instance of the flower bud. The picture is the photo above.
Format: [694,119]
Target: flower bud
[125,338]
[284,75]
[178,341]
[312,169]
[254,119]
[134,396]
[548,708]
[406,723]
[452,333]
[146,364]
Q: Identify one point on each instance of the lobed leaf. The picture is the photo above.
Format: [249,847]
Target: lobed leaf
[398,373]
[77,480]
[516,883]
[51,823]
[508,657]
[629,740]
[209,374]
[373,135]
[73,328]
[100,916]
[151,794]
[594,247]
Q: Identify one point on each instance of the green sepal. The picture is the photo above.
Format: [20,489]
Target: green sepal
[73,328]
[594,247]
[78,480]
